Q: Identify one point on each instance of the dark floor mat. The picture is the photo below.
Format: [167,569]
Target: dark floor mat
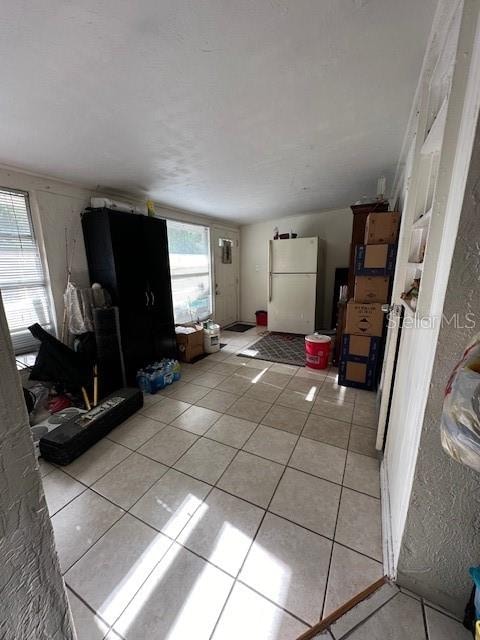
[287,348]
[239,327]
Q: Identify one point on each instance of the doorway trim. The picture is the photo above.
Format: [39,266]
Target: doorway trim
[217,228]
[459,139]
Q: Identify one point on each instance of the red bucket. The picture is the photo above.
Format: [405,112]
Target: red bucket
[262,318]
[317,350]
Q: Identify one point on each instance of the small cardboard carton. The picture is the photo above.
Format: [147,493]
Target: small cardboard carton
[359,375]
[190,345]
[364,318]
[382,228]
[371,289]
[359,361]
[361,348]
[375,259]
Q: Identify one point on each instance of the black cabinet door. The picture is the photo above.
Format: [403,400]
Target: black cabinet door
[133,298]
[160,287]
[98,248]
[129,256]
[158,269]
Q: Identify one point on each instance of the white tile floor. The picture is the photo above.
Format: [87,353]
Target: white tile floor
[240,502]
[393,614]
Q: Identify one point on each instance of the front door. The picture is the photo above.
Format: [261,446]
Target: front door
[225,267]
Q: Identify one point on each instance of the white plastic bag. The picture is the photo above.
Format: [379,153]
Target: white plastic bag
[460,427]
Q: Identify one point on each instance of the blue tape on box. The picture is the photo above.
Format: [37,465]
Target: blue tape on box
[387,270]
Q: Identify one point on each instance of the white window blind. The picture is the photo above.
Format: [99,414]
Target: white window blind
[22,278]
[189,250]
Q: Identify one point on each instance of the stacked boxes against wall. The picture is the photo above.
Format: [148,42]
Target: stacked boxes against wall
[362,341]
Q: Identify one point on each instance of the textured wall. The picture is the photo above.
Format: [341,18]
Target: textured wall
[33,603]
[442,534]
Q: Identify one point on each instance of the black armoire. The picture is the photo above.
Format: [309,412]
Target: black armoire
[128,255]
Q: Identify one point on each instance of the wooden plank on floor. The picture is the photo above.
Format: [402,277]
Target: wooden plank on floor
[327,622]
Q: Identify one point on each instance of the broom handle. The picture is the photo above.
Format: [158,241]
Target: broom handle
[95,386]
[85,399]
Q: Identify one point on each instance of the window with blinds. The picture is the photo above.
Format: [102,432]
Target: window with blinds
[22,278]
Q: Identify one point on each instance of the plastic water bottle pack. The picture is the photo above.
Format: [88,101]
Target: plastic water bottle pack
[158,375]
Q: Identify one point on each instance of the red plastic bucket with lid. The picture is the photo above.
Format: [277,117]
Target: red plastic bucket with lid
[317,350]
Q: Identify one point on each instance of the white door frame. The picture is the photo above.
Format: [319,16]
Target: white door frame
[460,128]
[224,230]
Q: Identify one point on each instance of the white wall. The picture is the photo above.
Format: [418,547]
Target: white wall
[334,227]
[56,207]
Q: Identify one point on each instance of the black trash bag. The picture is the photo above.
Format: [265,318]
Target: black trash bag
[56,362]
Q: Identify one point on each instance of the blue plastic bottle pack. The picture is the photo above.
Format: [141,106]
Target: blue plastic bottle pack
[158,375]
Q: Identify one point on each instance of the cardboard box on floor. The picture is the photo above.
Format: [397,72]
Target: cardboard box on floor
[359,361]
[360,375]
[382,228]
[361,348]
[190,345]
[364,318]
[375,259]
[371,289]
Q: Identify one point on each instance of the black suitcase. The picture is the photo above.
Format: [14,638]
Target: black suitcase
[68,441]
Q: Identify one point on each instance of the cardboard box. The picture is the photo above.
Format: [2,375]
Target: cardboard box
[382,228]
[190,345]
[359,375]
[359,361]
[364,349]
[371,289]
[375,259]
[364,318]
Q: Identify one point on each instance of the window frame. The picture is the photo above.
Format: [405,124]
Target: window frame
[37,236]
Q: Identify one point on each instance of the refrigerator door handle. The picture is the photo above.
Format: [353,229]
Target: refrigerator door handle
[269,270]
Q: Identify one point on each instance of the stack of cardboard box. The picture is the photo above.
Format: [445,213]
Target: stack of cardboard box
[364,326]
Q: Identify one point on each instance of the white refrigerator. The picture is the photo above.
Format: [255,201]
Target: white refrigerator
[294,284]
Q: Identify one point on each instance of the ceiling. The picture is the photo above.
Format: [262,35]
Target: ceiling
[240,110]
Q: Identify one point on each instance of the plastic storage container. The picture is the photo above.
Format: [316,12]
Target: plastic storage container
[317,350]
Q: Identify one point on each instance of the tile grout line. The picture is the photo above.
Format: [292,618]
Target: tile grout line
[193,443]
[172,466]
[214,486]
[250,547]
[244,393]
[424,618]
[122,516]
[322,611]
[172,542]
[351,631]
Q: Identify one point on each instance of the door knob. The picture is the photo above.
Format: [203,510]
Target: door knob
[387,308]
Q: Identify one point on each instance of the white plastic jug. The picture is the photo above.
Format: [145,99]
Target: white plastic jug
[211,338]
